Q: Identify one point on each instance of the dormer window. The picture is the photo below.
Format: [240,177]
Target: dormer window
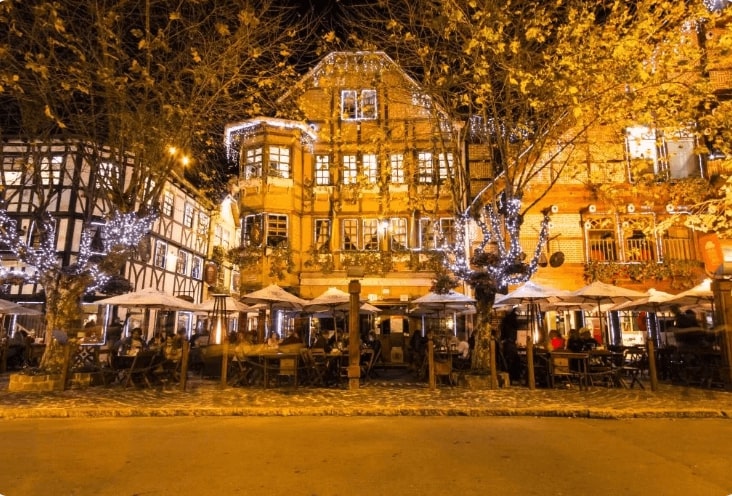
[358,104]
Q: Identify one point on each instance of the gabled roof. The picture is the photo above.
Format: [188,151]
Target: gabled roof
[378,59]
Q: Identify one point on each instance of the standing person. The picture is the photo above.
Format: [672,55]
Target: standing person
[509,351]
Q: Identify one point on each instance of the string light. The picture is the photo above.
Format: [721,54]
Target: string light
[505,262]
[123,233]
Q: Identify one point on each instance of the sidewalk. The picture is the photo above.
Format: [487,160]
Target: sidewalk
[378,398]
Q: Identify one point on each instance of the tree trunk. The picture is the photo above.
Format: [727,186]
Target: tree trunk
[63,311]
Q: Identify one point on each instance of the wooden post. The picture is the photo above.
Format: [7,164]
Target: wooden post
[184,364]
[530,377]
[354,338]
[65,366]
[431,360]
[224,359]
[722,290]
[651,350]
[493,369]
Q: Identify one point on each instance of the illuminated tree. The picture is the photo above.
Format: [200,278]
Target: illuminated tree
[530,80]
[138,86]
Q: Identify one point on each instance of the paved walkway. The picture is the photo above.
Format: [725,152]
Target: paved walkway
[377,398]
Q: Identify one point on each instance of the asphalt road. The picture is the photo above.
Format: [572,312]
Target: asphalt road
[365,455]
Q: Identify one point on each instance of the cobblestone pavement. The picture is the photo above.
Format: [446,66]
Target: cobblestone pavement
[376,398]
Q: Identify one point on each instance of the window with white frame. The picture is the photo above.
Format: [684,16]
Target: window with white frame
[396,164]
[51,170]
[428,234]
[445,163]
[425,168]
[253,163]
[602,239]
[322,170]
[37,235]
[370,234]
[276,229]
[654,151]
[203,223]
[167,207]
[350,169]
[350,234]
[161,254]
[188,213]
[321,236]
[279,162]
[358,104]
[447,232]
[370,168]
[253,230]
[12,170]
[182,262]
[197,267]
[398,232]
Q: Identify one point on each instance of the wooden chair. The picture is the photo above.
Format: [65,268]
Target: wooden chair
[141,370]
[443,368]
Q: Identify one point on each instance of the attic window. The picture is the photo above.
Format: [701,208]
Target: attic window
[358,104]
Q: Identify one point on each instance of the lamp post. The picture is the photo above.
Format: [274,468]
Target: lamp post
[354,348]
[220,334]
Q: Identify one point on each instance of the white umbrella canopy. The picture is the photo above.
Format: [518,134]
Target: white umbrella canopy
[600,292]
[232,305]
[699,295]
[531,292]
[451,297]
[274,296]
[651,303]
[12,308]
[329,297]
[147,298]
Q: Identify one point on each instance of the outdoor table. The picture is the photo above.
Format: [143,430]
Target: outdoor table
[277,363]
[570,365]
[607,366]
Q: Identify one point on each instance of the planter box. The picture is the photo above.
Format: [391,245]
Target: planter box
[52,382]
[40,383]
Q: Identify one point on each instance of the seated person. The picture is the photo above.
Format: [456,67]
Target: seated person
[588,342]
[273,341]
[132,344]
[157,341]
[462,361]
[319,342]
[556,341]
[574,343]
[292,338]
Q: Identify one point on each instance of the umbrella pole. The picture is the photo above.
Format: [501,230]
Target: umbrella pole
[530,348]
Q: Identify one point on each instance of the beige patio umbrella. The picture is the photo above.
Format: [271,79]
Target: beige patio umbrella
[331,299]
[699,295]
[232,305]
[148,298]
[274,297]
[532,295]
[12,308]
[601,293]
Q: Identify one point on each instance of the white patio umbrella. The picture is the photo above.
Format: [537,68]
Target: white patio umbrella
[148,298]
[232,305]
[12,308]
[331,299]
[601,293]
[699,295]
[275,297]
[653,302]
